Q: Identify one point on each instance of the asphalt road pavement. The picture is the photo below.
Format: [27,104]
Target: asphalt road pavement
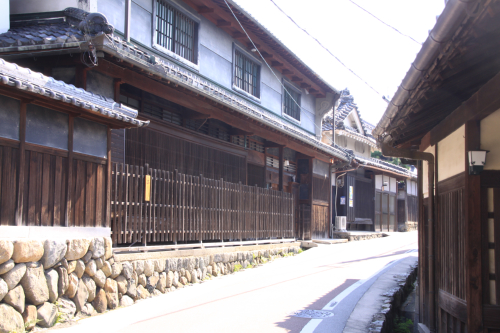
[265,298]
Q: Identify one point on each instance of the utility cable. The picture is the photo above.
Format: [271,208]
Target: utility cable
[390,26]
[327,50]
[284,88]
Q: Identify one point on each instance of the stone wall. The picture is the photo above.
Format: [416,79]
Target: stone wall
[45,282]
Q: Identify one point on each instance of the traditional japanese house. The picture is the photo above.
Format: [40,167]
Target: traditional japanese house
[232,151]
[367,194]
[55,155]
[444,116]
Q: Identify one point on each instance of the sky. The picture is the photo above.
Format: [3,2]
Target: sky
[375,52]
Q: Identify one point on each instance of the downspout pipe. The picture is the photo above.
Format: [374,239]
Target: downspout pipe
[389,151]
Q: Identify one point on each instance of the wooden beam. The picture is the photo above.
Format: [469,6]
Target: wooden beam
[305,85]
[222,23]
[205,10]
[266,55]
[239,35]
[237,131]
[286,71]
[275,63]
[281,167]
[474,292]
[22,162]
[480,105]
[296,79]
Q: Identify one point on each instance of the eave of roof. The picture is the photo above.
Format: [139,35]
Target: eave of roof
[37,83]
[429,85]
[384,166]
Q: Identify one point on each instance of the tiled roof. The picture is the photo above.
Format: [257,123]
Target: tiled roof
[384,165]
[346,106]
[37,83]
[62,32]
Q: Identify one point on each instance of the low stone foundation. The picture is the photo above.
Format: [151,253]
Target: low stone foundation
[46,282]
[408,226]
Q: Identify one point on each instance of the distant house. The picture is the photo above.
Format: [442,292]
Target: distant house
[444,117]
[232,151]
[366,195]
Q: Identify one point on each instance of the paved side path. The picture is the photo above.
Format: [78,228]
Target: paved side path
[373,300]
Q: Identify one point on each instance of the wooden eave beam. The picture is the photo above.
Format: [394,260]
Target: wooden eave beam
[205,10]
[238,35]
[223,23]
[222,15]
[237,131]
[286,71]
[480,105]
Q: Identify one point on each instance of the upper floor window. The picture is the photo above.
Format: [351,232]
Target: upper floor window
[246,74]
[176,32]
[291,102]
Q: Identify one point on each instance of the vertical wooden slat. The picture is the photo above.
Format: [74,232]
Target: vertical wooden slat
[68,218]
[22,165]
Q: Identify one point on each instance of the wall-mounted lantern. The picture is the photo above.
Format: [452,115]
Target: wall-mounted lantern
[477,160]
[286,163]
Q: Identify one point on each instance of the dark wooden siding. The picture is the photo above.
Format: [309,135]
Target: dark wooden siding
[320,224]
[450,254]
[9,164]
[363,199]
[118,145]
[321,189]
[45,189]
[161,151]
[194,208]
[256,175]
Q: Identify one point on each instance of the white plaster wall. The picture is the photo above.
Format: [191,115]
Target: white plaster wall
[4,16]
[451,154]
[425,168]
[378,182]
[490,140]
[393,185]
[35,6]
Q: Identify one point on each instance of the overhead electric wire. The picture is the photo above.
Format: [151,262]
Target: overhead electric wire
[284,88]
[327,50]
[390,26]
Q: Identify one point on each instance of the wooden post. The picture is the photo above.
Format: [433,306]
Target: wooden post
[474,292]
[22,162]
[69,189]
[108,180]
[281,166]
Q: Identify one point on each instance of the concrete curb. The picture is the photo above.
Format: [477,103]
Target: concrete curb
[376,310]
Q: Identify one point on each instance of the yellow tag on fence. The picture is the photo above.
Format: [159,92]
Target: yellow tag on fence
[147,188]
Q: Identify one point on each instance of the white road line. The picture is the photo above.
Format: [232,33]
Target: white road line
[313,323]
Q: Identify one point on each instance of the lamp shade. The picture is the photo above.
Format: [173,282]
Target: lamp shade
[477,160]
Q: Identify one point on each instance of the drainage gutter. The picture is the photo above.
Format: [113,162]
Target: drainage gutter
[389,151]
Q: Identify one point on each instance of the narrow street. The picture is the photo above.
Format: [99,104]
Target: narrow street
[263,299]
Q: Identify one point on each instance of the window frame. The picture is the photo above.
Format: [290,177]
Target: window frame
[172,54]
[291,87]
[257,62]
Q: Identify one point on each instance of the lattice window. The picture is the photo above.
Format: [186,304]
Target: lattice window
[273,162]
[291,103]
[246,74]
[175,31]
